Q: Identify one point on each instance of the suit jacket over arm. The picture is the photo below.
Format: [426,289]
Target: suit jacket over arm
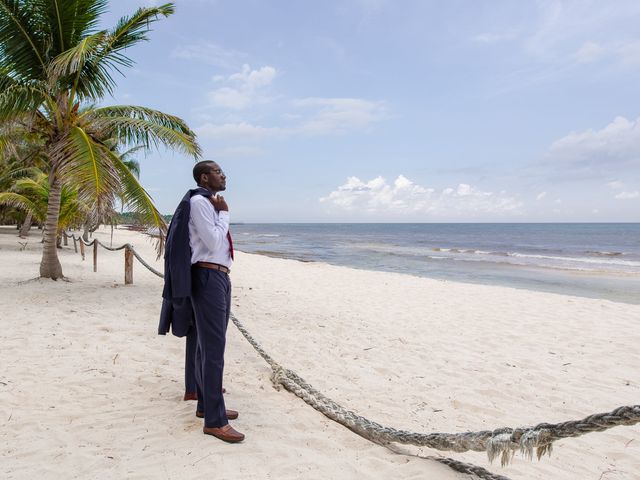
[176,312]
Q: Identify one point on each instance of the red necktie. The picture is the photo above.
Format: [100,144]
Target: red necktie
[230,243]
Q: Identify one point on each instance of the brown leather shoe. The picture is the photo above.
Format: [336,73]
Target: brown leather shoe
[226,433]
[231,414]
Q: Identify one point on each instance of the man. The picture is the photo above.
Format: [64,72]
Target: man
[199,234]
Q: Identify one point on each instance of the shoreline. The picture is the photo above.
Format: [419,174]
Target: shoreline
[409,352]
[588,260]
[601,276]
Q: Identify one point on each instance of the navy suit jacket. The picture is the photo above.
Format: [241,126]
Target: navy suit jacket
[176,312]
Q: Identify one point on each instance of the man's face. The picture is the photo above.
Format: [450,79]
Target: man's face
[215,179]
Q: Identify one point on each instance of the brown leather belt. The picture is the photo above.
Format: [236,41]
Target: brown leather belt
[213,266]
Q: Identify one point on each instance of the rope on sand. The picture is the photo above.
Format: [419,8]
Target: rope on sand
[502,442]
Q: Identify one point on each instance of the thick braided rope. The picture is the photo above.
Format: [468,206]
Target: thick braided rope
[141,260]
[292,382]
[468,468]
[501,442]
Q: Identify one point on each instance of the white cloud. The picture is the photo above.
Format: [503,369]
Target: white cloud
[245,88]
[403,197]
[617,144]
[566,23]
[252,79]
[628,195]
[339,115]
[210,54]
[615,185]
[589,52]
[541,195]
[319,116]
[229,98]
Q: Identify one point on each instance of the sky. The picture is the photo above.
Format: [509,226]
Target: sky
[398,110]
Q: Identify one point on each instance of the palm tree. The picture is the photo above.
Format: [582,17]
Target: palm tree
[20,156]
[31,195]
[54,66]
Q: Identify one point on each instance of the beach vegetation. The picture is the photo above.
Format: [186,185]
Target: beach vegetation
[31,196]
[56,66]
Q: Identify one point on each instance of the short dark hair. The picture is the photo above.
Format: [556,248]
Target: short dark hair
[200,168]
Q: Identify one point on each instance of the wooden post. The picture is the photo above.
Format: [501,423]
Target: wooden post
[128,266]
[75,244]
[82,248]
[95,254]
[65,240]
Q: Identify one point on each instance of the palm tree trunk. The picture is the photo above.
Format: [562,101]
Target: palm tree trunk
[26,225]
[50,265]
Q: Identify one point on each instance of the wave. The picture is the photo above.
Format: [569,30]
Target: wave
[597,257]
[462,250]
[602,261]
[603,254]
[288,256]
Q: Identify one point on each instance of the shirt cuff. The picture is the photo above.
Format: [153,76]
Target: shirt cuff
[224,215]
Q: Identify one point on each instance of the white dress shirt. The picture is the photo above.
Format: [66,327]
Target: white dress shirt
[208,233]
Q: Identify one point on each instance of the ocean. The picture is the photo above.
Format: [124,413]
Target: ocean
[597,260]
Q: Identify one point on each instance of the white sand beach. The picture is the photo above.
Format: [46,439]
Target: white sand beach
[89,390]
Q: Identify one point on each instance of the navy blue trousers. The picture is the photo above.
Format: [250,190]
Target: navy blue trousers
[190,385]
[211,299]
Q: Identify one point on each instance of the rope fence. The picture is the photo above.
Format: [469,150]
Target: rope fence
[129,253]
[501,442]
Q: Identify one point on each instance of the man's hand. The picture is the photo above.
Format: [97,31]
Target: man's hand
[219,203]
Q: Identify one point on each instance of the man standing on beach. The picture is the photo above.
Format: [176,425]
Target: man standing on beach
[207,248]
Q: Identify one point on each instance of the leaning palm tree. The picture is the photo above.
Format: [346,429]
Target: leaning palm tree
[55,65]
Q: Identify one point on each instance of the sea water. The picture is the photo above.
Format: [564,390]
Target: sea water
[584,259]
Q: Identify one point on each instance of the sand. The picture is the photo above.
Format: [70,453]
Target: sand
[89,390]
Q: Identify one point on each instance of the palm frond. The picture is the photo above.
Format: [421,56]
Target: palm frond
[133,125]
[133,166]
[19,172]
[35,188]
[105,53]
[70,61]
[24,38]
[76,69]
[73,211]
[136,198]
[15,200]
[72,20]
[6,79]
[20,99]
[127,153]
[134,29]
[84,164]
[94,80]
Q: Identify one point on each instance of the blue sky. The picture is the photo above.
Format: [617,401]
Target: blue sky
[401,111]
